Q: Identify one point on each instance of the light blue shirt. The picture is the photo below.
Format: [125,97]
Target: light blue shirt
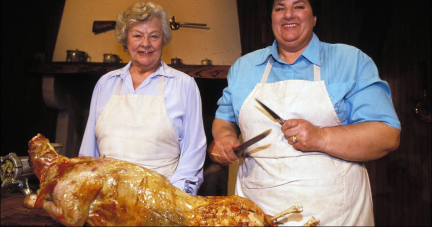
[351,78]
[184,108]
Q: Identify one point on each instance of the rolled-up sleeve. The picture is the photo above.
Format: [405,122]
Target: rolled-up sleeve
[89,145]
[370,99]
[225,109]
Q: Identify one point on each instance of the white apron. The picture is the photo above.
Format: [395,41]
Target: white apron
[276,176]
[136,128]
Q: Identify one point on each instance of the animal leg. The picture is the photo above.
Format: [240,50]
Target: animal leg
[312,222]
[29,201]
[71,218]
[294,209]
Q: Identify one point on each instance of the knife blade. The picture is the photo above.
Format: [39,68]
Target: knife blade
[271,112]
[238,150]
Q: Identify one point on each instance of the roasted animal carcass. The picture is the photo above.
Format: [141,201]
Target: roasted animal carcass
[106,191]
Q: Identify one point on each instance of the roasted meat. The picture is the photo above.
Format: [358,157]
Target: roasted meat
[109,192]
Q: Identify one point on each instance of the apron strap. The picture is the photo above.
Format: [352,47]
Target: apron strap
[161,85]
[317,73]
[119,85]
[267,70]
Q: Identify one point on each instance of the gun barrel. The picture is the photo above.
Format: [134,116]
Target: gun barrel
[103,26]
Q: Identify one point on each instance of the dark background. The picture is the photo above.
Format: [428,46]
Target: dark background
[396,34]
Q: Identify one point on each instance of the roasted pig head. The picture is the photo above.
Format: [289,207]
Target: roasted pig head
[42,155]
[110,192]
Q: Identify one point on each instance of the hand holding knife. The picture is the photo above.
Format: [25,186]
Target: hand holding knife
[240,148]
[275,116]
[271,112]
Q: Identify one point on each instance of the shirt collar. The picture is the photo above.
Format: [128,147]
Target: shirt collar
[163,70]
[272,51]
[311,53]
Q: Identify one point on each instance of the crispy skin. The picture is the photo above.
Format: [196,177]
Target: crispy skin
[110,192]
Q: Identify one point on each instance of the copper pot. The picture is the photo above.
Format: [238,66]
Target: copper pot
[206,62]
[112,58]
[77,56]
[176,61]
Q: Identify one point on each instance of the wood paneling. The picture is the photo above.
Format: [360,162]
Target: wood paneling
[254,21]
[396,35]
[401,181]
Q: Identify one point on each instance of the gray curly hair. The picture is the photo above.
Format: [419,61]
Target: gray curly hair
[140,12]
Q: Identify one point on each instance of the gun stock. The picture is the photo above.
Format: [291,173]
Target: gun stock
[103,26]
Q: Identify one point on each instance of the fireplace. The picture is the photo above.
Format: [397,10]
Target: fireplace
[68,87]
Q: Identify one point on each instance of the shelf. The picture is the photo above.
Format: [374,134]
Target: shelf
[99,69]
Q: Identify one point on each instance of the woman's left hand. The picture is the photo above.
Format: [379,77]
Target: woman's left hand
[303,135]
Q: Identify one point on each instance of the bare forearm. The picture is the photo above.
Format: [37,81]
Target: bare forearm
[357,142]
[360,142]
[225,136]
[223,128]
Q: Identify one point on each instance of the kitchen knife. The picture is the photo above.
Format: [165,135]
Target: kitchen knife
[271,112]
[238,150]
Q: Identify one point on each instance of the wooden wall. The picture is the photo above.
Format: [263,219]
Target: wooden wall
[396,34]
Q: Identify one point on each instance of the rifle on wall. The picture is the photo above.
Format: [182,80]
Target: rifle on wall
[103,26]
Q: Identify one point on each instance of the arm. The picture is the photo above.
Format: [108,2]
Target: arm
[225,134]
[371,129]
[224,129]
[357,142]
[89,145]
[189,173]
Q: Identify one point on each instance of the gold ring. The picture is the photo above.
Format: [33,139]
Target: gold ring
[294,139]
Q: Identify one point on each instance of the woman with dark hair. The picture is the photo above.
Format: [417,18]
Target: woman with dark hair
[148,113]
[338,114]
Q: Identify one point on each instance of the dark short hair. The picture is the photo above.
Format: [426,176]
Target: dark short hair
[315,4]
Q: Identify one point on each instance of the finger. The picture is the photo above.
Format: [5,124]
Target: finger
[288,134]
[222,151]
[220,154]
[230,154]
[289,124]
[235,154]
[224,159]
[217,158]
[292,139]
[213,151]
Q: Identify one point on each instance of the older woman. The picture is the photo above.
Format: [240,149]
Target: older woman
[148,113]
[338,113]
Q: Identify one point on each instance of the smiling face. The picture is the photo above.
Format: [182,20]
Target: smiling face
[144,43]
[292,24]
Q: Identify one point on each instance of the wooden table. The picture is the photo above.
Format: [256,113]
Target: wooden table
[13,213]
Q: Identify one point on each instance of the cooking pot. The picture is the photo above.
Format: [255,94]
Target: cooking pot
[111,58]
[77,56]
[176,61]
[206,62]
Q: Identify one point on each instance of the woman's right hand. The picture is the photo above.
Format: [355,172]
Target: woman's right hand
[221,150]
